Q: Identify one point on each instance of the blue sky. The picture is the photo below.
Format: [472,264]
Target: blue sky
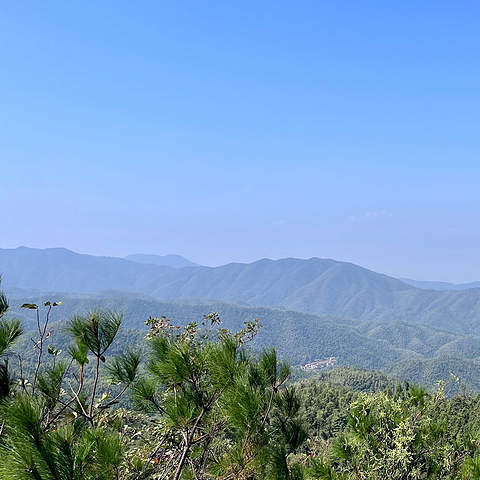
[232,131]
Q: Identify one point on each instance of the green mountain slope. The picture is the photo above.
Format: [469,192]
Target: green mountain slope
[428,371]
[299,337]
[422,339]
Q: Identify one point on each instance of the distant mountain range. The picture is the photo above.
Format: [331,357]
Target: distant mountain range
[440,285]
[318,286]
[174,261]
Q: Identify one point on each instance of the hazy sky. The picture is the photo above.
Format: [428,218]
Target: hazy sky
[235,130]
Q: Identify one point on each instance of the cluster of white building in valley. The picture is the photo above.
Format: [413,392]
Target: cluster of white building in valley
[318,364]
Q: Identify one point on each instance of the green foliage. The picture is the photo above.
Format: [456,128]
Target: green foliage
[124,368]
[321,471]
[68,452]
[429,371]
[223,414]
[216,409]
[400,435]
[357,379]
[50,384]
[10,331]
[3,302]
[58,426]
[96,331]
[324,408]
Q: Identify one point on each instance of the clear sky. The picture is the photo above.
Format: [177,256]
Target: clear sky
[235,130]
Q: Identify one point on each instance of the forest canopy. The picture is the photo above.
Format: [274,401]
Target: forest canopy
[198,402]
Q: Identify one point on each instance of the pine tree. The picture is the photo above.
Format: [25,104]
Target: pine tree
[57,428]
[10,331]
[216,404]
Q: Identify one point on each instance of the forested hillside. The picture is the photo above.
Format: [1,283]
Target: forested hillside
[299,337]
[403,349]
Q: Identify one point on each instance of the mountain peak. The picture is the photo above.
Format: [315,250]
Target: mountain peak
[170,260]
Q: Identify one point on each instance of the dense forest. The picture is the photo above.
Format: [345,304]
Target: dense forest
[199,401]
[412,352]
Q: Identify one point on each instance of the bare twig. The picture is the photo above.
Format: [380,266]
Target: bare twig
[22,380]
[42,333]
[188,443]
[152,456]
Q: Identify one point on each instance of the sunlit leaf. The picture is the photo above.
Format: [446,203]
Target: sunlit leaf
[30,306]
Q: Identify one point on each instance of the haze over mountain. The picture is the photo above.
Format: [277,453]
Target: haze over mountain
[440,285]
[316,285]
[174,261]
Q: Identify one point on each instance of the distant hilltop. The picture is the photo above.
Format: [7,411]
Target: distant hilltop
[440,285]
[174,261]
